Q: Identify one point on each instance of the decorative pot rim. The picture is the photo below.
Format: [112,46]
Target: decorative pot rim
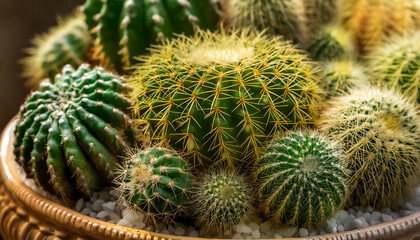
[79,224]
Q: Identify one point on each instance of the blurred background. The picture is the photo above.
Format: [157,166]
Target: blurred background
[20,21]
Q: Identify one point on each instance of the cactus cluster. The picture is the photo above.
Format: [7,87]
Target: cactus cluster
[124,29]
[70,133]
[380,133]
[219,97]
[302,179]
[64,44]
[155,181]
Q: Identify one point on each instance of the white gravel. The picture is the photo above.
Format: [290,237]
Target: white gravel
[103,206]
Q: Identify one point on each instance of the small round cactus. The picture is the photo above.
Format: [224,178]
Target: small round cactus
[333,42]
[320,12]
[302,179]
[156,182]
[222,199]
[70,132]
[219,96]
[396,62]
[64,44]
[380,134]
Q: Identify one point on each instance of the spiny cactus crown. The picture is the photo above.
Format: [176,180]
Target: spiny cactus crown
[218,97]
[302,179]
[70,132]
[222,199]
[64,44]
[380,134]
[155,181]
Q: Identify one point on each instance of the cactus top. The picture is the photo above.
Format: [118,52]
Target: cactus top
[219,96]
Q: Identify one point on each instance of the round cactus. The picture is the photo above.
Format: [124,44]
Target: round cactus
[64,44]
[124,29]
[70,132]
[320,12]
[155,181]
[397,62]
[222,199]
[339,77]
[302,179]
[218,97]
[380,134]
[332,42]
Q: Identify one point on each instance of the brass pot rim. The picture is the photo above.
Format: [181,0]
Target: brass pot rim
[80,224]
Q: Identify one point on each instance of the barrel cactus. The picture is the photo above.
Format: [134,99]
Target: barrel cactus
[302,179]
[124,29]
[70,132]
[396,62]
[380,133]
[219,96]
[155,181]
[320,12]
[221,200]
[64,44]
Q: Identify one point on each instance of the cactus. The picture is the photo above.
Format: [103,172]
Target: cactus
[126,29]
[320,12]
[396,62]
[222,199]
[69,132]
[302,178]
[156,182]
[332,42]
[340,77]
[219,96]
[380,134]
[64,44]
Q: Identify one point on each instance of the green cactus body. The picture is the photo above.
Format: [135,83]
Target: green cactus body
[333,42]
[302,179]
[65,44]
[320,12]
[126,29]
[341,76]
[70,132]
[396,62]
[222,199]
[218,97]
[380,134]
[156,182]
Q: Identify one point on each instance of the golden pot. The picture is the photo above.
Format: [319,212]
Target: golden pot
[24,214]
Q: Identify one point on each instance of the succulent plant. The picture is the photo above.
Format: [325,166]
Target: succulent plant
[221,200]
[155,181]
[332,42]
[320,12]
[380,134]
[302,179]
[219,96]
[396,62]
[341,76]
[125,29]
[70,132]
[64,44]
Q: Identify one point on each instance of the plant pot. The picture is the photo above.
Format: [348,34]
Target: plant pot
[24,214]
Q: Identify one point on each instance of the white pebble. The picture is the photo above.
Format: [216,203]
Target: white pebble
[86,211]
[243,228]
[79,205]
[256,234]
[265,226]
[278,236]
[164,231]
[386,217]
[109,206]
[287,232]
[303,232]
[375,216]
[343,216]
[97,205]
[254,226]
[102,214]
[92,214]
[237,236]
[340,228]
[193,234]
[179,231]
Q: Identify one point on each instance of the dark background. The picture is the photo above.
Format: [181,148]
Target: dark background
[20,21]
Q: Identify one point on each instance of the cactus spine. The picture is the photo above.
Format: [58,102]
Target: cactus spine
[126,29]
[156,182]
[222,199]
[396,62]
[70,132]
[218,97]
[380,134]
[64,44]
[302,179]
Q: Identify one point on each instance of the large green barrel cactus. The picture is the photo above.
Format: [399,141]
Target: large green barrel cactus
[219,97]
[124,29]
[302,178]
[380,133]
[70,132]
[64,44]
[156,182]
